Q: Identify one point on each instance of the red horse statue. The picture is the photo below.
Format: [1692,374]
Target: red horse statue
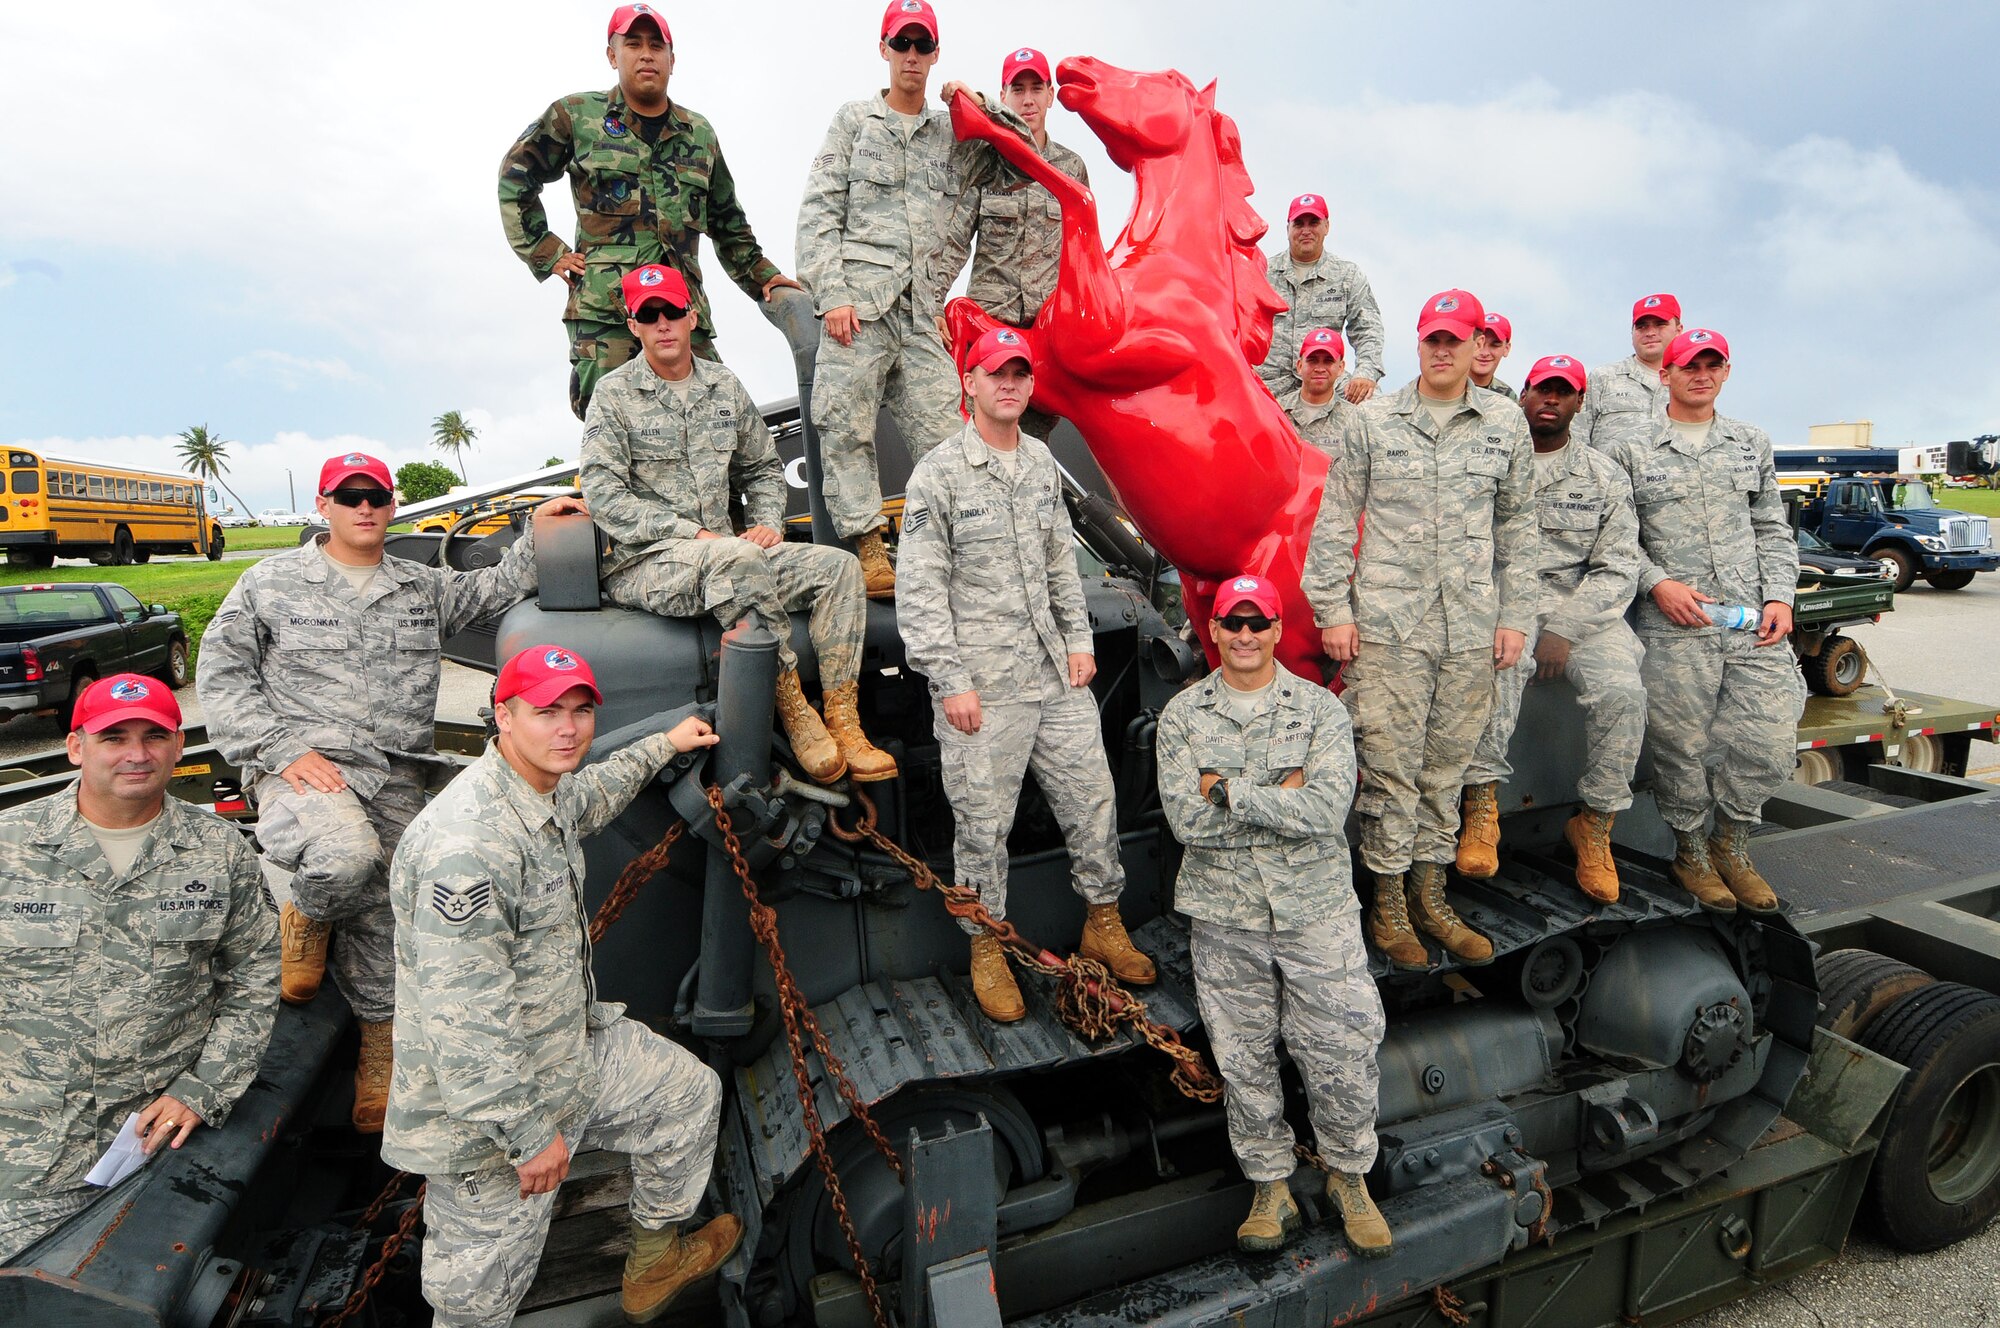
[1148,349]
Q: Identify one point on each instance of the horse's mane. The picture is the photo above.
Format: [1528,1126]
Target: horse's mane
[1256,304]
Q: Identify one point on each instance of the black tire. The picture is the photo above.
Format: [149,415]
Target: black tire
[215,544]
[1906,565]
[142,554]
[1936,1178]
[1838,669]
[78,680]
[175,673]
[42,558]
[1855,986]
[122,548]
[1948,580]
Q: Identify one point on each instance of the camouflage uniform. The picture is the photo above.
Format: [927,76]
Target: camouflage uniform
[1276,943]
[1498,385]
[293,663]
[1589,559]
[636,203]
[660,464]
[988,600]
[1448,557]
[501,1042]
[1330,293]
[1722,712]
[870,235]
[118,987]
[1623,402]
[1325,426]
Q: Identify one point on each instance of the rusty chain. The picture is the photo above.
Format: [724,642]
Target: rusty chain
[405,1225]
[1088,998]
[801,1024]
[637,872]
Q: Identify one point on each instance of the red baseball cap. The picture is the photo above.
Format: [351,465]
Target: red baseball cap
[996,346]
[1455,311]
[902,13]
[1306,205]
[348,464]
[1023,60]
[125,696]
[1246,589]
[539,674]
[1656,306]
[623,17]
[1566,367]
[1693,342]
[655,282]
[1498,325]
[1323,341]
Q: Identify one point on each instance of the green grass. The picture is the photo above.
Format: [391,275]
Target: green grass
[260,537]
[193,590]
[1982,502]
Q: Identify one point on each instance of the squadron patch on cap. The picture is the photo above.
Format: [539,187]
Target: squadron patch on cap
[1446,304]
[129,689]
[559,659]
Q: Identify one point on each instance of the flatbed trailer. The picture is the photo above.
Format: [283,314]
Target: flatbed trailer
[1841,736]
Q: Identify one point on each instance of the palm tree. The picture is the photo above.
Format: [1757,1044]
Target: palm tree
[451,433]
[202,452]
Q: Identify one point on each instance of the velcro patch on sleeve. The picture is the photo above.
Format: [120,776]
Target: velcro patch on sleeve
[459,904]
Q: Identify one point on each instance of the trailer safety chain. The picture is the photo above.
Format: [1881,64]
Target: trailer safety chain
[801,1024]
[637,872]
[1449,1307]
[405,1226]
[1089,999]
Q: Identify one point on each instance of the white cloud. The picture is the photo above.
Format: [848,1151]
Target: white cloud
[339,179]
[287,370]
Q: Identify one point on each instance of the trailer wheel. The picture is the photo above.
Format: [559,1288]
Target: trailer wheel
[1936,1178]
[1838,669]
[1817,765]
[1922,752]
[1857,985]
[1958,580]
[1903,561]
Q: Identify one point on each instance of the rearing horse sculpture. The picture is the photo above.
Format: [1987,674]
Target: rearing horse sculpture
[1148,350]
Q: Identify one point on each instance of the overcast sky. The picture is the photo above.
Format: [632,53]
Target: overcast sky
[280,220]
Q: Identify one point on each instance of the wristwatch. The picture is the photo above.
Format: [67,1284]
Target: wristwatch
[1218,793]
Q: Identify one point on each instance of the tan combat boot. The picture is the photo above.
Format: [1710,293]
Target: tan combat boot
[1589,834]
[1729,854]
[1696,874]
[866,763]
[371,1075]
[877,575]
[1274,1216]
[1434,916]
[993,982]
[814,747]
[664,1263]
[301,955]
[1105,940]
[1479,832]
[1367,1229]
[1389,925]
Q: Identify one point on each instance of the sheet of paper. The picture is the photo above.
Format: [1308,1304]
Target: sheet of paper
[125,1156]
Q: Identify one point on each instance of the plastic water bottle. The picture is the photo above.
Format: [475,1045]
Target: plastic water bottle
[1733,616]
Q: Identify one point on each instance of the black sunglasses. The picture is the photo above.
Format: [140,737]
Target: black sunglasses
[654,310]
[924,45]
[356,497]
[1236,622]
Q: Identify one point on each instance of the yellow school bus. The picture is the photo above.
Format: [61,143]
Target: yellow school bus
[112,515]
